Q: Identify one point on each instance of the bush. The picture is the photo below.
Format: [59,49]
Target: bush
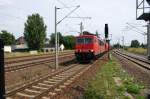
[141,51]
[92,94]
[133,88]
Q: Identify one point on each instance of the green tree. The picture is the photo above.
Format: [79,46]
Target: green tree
[69,42]
[117,45]
[142,45]
[8,38]
[35,32]
[52,39]
[135,43]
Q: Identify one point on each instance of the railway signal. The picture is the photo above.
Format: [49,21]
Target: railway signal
[107,39]
[148,1]
[145,15]
[2,71]
[106,30]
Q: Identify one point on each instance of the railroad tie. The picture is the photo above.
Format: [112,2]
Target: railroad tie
[57,78]
[60,77]
[9,98]
[77,75]
[50,82]
[32,91]
[54,80]
[52,94]
[69,81]
[45,97]
[63,74]
[42,88]
[66,84]
[25,95]
[73,78]
[62,87]
[57,90]
[43,84]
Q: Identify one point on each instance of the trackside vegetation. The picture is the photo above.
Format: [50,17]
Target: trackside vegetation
[139,50]
[103,85]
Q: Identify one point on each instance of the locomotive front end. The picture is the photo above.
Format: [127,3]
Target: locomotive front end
[84,50]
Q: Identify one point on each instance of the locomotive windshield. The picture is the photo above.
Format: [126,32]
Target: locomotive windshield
[84,40]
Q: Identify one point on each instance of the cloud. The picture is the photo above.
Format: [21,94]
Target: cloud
[5,2]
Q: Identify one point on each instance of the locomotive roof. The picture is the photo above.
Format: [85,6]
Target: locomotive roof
[87,33]
[87,36]
[93,36]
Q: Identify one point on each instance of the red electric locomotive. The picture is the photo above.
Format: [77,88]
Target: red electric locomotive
[89,46]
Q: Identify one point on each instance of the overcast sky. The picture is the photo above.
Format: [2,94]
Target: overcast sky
[13,14]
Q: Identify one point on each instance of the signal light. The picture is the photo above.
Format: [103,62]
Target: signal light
[91,50]
[106,30]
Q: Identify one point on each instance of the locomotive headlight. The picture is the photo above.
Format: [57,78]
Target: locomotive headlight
[91,50]
[79,50]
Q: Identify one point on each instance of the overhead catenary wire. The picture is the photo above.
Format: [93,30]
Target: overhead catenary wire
[139,31]
[66,6]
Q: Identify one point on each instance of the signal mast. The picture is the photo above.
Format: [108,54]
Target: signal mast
[143,13]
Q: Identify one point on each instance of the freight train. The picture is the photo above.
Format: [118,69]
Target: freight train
[89,47]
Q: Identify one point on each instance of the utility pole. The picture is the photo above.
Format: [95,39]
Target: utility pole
[2,71]
[81,28]
[56,34]
[56,40]
[148,40]
[119,42]
[81,24]
[122,43]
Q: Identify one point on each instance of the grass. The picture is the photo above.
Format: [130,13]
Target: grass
[140,51]
[104,87]
[20,54]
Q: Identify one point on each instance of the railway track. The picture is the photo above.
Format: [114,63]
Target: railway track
[141,62]
[29,58]
[31,63]
[50,85]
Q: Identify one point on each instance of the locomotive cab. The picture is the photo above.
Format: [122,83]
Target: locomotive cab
[89,46]
[84,48]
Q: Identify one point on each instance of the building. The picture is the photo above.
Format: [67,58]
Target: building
[20,40]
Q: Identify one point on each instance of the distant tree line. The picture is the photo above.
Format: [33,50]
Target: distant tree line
[134,44]
[67,41]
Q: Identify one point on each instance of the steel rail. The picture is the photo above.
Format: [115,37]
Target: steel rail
[140,62]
